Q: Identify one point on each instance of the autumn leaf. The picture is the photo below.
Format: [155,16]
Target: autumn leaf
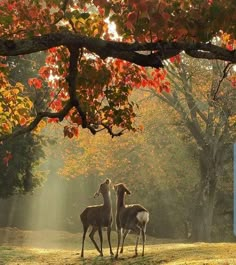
[44,72]
[100,2]
[37,83]
[175,59]
[7,158]
[23,121]
[53,120]
[131,19]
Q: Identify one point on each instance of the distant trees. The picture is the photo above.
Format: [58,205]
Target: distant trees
[17,175]
[153,160]
[206,107]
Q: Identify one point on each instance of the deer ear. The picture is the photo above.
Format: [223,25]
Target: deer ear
[108,181]
[127,191]
[96,194]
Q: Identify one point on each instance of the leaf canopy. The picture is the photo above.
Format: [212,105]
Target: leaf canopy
[98,51]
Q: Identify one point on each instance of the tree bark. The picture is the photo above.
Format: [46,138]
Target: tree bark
[205,201]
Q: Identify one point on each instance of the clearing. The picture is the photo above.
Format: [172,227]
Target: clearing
[48,247]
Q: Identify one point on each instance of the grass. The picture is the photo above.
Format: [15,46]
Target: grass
[62,248]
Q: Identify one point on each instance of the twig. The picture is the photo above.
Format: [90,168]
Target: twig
[55,96]
[63,8]
[109,129]
[225,73]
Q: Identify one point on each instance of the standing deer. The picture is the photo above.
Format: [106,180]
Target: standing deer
[129,217]
[98,216]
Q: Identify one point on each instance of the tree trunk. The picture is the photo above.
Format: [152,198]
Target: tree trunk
[205,201]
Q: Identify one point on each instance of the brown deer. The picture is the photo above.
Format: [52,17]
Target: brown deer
[98,216]
[129,217]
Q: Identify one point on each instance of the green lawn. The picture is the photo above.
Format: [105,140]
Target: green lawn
[61,248]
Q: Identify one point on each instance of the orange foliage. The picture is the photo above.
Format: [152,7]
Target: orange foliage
[103,87]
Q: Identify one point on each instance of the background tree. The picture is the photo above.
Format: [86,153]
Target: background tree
[209,115]
[19,156]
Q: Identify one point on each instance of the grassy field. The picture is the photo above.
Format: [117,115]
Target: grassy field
[62,248]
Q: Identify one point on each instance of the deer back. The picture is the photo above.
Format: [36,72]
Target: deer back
[127,216]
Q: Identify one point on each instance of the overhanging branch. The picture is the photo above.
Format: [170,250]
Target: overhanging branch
[125,51]
[153,56]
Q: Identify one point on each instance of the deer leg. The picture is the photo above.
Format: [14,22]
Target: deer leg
[144,238]
[136,246]
[109,239]
[91,235]
[119,232]
[101,239]
[123,240]
[84,234]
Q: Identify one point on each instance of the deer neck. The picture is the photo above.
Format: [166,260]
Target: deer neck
[107,200]
[121,201]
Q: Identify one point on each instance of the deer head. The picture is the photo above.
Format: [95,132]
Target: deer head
[121,189]
[104,188]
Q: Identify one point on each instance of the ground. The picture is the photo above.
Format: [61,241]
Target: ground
[47,247]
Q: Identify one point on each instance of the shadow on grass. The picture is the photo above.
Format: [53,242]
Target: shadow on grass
[126,259]
[198,253]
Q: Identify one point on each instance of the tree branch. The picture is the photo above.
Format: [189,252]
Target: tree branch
[190,98]
[115,49]
[22,130]
[109,129]
[72,81]
[72,102]
[225,74]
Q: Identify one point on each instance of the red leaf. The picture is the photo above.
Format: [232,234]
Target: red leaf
[175,59]
[3,65]
[44,72]
[53,120]
[7,158]
[22,121]
[37,83]
[11,7]
[75,131]
[132,17]
[229,47]
[53,49]
[100,2]
[101,11]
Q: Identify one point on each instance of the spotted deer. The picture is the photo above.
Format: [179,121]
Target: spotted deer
[129,217]
[98,216]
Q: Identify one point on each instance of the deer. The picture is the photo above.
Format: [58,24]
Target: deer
[98,216]
[129,218]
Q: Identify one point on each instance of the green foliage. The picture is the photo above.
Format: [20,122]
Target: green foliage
[20,155]
[17,175]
